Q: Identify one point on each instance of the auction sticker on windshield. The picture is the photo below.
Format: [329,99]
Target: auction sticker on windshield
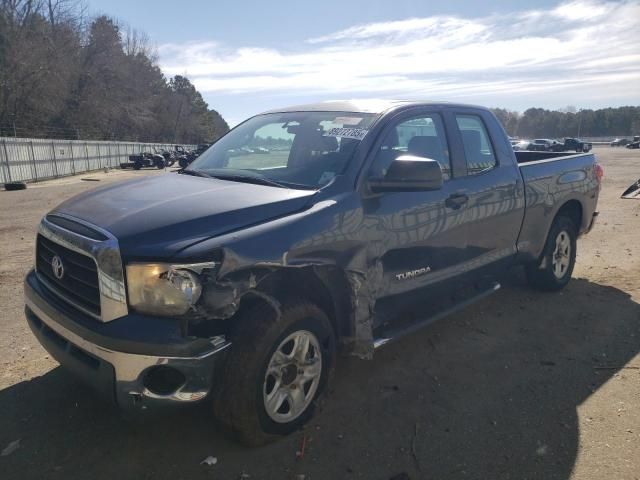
[355,133]
[353,121]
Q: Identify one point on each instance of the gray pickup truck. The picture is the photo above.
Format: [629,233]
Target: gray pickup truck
[303,231]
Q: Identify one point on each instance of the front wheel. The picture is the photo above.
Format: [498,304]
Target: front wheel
[277,369]
[554,269]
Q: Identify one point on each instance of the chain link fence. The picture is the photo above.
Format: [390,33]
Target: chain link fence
[34,159]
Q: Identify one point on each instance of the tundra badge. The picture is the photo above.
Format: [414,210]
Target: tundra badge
[413,273]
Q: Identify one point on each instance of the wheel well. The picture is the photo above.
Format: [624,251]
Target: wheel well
[327,287]
[573,210]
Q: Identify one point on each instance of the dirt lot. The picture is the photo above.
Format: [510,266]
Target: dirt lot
[522,385]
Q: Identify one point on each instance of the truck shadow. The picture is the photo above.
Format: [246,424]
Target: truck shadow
[491,392]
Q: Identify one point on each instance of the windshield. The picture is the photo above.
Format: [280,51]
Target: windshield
[296,149]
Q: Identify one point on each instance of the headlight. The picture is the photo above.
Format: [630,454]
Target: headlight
[164,289]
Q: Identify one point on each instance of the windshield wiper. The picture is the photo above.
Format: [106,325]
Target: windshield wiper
[250,179]
[245,178]
[196,173]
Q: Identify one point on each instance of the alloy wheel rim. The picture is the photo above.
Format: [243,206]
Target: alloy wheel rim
[561,255]
[292,376]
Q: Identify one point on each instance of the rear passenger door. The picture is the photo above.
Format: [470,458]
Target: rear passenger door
[491,190]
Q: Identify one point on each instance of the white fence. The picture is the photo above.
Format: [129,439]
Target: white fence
[33,159]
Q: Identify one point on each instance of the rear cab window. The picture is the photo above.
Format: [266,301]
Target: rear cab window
[478,150]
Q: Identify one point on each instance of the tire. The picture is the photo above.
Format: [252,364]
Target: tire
[183,162]
[244,386]
[137,165]
[160,164]
[554,269]
[13,186]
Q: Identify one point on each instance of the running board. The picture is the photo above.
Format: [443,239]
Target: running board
[393,335]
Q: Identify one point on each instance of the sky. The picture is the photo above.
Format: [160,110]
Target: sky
[249,56]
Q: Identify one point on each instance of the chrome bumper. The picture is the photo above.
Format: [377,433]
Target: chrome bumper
[126,371]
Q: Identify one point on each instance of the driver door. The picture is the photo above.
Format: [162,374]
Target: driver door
[420,236]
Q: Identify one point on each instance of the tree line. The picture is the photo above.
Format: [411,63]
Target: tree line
[64,75]
[570,122]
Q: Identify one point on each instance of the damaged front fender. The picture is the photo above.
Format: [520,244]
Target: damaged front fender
[306,242]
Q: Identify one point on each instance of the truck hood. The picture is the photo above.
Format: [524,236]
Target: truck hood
[155,217]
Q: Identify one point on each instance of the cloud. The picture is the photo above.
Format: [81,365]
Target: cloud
[592,47]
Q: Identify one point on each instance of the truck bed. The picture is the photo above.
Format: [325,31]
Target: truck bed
[526,156]
[551,181]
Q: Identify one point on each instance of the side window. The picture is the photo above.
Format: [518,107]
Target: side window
[421,136]
[477,147]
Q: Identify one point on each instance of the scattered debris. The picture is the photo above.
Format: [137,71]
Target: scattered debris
[209,461]
[633,191]
[300,453]
[542,450]
[90,179]
[244,476]
[9,449]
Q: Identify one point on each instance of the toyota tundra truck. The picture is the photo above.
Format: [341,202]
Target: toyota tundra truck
[303,232]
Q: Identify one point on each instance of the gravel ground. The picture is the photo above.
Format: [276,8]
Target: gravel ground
[522,385]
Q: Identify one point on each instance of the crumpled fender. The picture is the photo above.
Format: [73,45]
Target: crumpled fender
[303,240]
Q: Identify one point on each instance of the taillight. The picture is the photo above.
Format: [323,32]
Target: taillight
[599,171]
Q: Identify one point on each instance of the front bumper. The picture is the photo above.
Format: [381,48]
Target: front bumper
[119,375]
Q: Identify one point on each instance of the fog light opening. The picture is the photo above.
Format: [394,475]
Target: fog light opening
[163,380]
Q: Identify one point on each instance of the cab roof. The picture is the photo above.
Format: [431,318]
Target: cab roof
[377,106]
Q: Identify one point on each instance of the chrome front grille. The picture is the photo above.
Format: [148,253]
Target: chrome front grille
[79,282]
[92,277]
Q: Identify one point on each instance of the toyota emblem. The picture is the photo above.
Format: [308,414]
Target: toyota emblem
[57,267]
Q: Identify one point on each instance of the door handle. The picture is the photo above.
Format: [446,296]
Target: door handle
[456,200]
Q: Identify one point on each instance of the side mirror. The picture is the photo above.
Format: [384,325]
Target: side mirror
[409,173]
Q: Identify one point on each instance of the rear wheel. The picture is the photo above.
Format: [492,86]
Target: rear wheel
[137,165]
[554,269]
[277,369]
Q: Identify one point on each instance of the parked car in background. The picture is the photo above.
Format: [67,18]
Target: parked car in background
[238,281]
[187,156]
[521,145]
[571,144]
[542,145]
[145,160]
[620,142]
